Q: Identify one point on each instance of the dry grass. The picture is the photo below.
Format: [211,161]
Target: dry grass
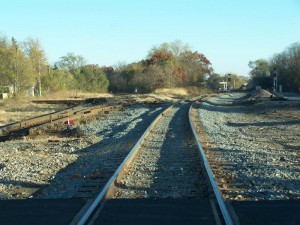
[172,91]
[192,90]
[182,92]
[74,94]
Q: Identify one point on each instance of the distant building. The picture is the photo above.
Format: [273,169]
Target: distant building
[6,91]
[223,85]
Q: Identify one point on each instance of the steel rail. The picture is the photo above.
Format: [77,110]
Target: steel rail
[52,118]
[114,177]
[76,115]
[227,218]
[33,121]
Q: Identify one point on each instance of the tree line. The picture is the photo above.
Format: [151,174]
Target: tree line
[24,67]
[168,65]
[285,66]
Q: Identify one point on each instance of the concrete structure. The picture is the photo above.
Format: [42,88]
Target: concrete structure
[3,95]
[224,85]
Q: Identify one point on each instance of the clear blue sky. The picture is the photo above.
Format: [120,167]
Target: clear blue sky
[106,32]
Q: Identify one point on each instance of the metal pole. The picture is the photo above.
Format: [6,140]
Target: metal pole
[275,80]
[275,85]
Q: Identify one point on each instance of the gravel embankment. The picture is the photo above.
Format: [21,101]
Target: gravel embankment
[261,141]
[53,167]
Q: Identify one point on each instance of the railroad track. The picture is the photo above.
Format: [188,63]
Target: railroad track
[167,162]
[55,121]
[167,156]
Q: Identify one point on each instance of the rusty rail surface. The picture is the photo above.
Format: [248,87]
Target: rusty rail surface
[79,117]
[225,213]
[53,119]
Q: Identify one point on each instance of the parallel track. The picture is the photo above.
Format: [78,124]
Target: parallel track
[167,162]
[52,121]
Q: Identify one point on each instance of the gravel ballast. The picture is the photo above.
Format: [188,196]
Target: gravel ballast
[258,141]
[261,143]
[56,167]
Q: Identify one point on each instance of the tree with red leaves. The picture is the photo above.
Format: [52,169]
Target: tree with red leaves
[189,68]
[160,57]
[194,67]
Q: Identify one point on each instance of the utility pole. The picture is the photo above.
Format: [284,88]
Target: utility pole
[16,84]
[229,79]
[274,80]
[40,80]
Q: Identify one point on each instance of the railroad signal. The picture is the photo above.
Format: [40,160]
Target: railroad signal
[229,77]
[274,72]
